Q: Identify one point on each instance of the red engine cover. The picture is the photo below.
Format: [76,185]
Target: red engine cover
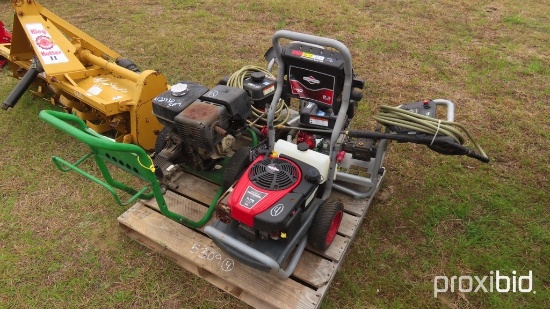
[248,199]
[5,35]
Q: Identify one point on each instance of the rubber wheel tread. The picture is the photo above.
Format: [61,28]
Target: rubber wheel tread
[236,166]
[321,224]
[162,139]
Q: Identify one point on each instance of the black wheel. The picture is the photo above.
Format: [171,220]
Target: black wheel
[237,164]
[325,224]
[162,139]
[351,109]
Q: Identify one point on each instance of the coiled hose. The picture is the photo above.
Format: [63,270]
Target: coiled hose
[394,116]
[441,135]
[237,80]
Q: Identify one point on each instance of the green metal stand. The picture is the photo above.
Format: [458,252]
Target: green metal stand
[130,158]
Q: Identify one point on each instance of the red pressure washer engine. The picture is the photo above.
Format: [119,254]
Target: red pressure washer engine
[270,197]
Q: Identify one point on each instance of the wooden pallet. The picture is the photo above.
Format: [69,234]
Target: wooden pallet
[194,251]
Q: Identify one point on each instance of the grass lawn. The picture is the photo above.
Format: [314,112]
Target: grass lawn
[60,246]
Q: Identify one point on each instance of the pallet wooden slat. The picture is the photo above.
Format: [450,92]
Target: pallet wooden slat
[194,251]
[336,250]
[354,206]
[196,188]
[304,271]
[180,205]
[348,225]
[314,270]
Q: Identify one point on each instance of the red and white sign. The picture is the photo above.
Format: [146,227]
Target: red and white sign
[44,42]
[47,50]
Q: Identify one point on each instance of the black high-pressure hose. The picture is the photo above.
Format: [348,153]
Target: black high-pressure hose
[442,136]
[445,137]
[445,145]
[441,144]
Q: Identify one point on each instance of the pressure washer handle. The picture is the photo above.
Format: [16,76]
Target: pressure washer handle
[20,89]
[475,155]
[446,146]
[348,79]
[470,153]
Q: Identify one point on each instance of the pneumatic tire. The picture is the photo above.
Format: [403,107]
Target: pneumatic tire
[162,139]
[237,164]
[325,224]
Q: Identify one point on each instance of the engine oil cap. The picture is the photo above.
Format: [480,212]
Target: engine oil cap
[303,146]
[257,77]
[178,90]
[313,176]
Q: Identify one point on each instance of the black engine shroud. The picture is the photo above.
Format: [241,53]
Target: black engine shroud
[283,200]
[199,119]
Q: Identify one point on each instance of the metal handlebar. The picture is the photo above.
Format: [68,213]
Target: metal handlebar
[346,91]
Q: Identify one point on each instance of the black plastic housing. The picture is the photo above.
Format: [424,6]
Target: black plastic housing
[425,108]
[166,106]
[234,99]
[314,74]
[260,89]
[197,125]
[285,214]
[312,116]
